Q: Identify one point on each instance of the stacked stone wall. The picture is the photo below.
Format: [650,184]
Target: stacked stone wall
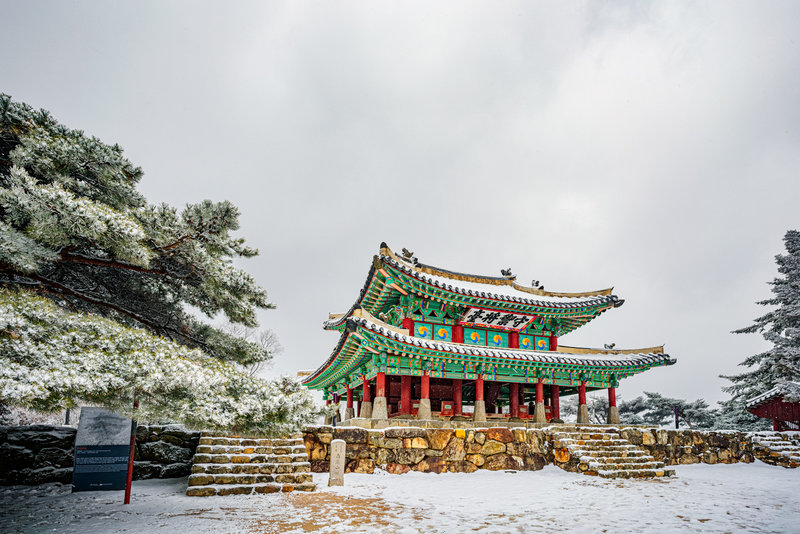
[439,450]
[45,453]
[674,447]
[429,450]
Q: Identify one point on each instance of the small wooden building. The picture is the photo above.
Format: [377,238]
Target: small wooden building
[781,404]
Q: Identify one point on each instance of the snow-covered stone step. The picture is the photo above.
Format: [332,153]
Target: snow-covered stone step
[249,458]
[252,469]
[621,453]
[596,442]
[231,449]
[619,459]
[254,489]
[286,478]
[637,473]
[627,467]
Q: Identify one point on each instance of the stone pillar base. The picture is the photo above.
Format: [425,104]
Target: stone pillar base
[424,411]
[349,413]
[583,414]
[613,415]
[379,410]
[539,414]
[366,409]
[480,411]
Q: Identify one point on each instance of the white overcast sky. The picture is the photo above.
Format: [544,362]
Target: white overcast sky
[654,147]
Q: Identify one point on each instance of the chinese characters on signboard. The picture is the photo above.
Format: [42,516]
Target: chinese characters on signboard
[496,319]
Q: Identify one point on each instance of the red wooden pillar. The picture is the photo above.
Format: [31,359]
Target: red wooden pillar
[479,388]
[380,385]
[349,396]
[582,393]
[513,340]
[458,334]
[540,391]
[514,399]
[556,409]
[365,390]
[425,387]
[335,398]
[405,394]
[612,397]
[553,343]
[457,397]
[408,323]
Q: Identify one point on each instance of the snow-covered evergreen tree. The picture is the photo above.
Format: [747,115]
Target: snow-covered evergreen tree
[95,284]
[780,327]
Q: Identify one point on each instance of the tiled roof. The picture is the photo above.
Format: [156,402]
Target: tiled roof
[789,390]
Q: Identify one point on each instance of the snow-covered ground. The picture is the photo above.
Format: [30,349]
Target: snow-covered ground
[702,498]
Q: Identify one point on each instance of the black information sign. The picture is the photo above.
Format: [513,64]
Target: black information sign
[102,448]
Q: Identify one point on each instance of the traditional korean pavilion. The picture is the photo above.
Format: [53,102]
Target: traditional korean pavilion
[428,342]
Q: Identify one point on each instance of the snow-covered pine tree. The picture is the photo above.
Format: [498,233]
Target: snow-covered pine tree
[95,284]
[781,328]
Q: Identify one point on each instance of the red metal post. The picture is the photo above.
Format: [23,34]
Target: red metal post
[612,397]
[514,399]
[129,480]
[405,394]
[425,387]
[556,410]
[458,401]
[582,393]
[479,388]
[380,385]
[349,396]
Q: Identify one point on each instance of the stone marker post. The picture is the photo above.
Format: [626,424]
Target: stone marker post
[336,477]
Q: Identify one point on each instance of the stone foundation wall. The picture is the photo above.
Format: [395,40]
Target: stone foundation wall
[45,453]
[674,447]
[429,450]
[438,450]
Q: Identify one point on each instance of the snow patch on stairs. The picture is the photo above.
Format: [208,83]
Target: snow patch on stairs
[777,448]
[235,465]
[602,451]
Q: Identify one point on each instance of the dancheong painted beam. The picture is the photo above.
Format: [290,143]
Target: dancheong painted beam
[462,334]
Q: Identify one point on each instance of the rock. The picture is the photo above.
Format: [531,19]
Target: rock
[518,449]
[491,447]
[480,437]
[359,466]
[320,466]
[648,438]
[235,490]
[415,443]
[431,465]
[455,450]
[356,450]
[319,451]
[503,435]
[325,437]
[384,456]
[175,470]
[473,448]
[53,457]
[439,437]
[462,467]
[499,462]
[562,455]
[165,453]
[201,492]
[688,459]
[350,435]
[460,433]
[409,456]
[405,433]
[397,469]
[534,462]
[200,480]
[268,488]
[476,459]
[13,457]
[146,470]
[634,435]
[710,457]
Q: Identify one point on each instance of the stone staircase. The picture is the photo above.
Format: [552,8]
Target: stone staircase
[235,465]
[602,451]
[777,448]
